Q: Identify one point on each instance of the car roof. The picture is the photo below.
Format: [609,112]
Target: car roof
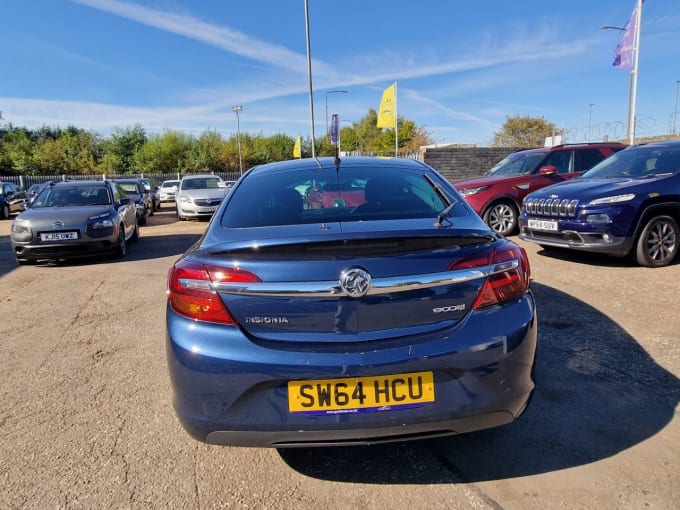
[90,182]
[669,144]
[566,146]
[327,163]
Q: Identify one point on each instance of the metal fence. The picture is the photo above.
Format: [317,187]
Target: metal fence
[25,181]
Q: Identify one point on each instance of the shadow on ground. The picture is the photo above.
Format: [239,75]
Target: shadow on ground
[598,393]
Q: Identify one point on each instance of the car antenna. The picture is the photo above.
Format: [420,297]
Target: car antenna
[337,159]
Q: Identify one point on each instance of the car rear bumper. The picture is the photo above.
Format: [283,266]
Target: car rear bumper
[232,390]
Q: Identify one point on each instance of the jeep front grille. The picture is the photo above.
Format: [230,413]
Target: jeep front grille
[551,207]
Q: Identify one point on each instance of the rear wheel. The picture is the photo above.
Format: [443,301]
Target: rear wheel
[4,212]
[502,218]
[657,245]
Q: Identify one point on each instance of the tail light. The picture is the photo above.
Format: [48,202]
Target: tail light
[190,290]
[509,275]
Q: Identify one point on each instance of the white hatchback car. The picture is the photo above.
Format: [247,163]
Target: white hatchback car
[167,190]
[199,196]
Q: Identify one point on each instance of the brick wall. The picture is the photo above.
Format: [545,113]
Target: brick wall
[462,162]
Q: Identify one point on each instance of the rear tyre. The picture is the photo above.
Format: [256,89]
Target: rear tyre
[502,218]
[4,212]
[657,245]
[142,220]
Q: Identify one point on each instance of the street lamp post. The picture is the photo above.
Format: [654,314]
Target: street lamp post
[237,110]
[675,108]
[331,92]
[590,117]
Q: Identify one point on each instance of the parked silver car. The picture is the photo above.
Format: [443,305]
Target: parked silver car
[167,190]
[70,219]
[199,196]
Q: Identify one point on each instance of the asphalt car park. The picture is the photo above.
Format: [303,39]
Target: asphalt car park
[86,418]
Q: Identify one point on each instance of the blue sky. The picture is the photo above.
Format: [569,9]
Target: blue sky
[461,67]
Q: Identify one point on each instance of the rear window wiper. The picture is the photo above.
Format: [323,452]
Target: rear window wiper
[444,214]
[451,202]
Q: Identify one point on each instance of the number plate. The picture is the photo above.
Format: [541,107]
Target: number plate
[58,236]
[207,209]
[543,225]
[361,394]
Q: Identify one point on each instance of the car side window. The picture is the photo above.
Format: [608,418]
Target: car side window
[562,160]
[587,159]
[118,193]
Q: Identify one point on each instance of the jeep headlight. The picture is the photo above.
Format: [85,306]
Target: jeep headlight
[472,191]
[616,199]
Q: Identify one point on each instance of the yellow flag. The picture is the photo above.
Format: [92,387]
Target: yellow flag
[388,106]
[297,151]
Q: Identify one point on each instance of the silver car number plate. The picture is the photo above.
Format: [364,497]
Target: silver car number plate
[207,209]
[58,236]
[548,225]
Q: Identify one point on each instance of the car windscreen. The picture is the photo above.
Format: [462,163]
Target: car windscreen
[353,194]
[638,162]
[69,196]
[170,184]
[130,188]
[202,183]
[518,164]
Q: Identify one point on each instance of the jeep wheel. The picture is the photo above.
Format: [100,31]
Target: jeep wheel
[657,245]
[502,218]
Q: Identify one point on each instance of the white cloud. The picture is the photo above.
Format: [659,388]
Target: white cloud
[225,38]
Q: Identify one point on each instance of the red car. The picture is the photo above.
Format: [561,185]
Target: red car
[497,197]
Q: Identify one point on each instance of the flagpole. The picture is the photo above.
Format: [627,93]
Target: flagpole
[396,123]
[632,98]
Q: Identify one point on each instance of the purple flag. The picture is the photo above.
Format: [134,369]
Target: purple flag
[624,50]
[334,129]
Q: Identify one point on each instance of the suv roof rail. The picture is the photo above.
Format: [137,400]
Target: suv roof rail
[586,143]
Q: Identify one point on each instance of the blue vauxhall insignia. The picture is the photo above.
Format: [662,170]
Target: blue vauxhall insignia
[386,310]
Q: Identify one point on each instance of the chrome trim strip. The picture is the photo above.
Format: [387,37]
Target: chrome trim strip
[329,289]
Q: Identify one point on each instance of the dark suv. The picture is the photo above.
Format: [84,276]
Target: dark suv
[497,197]
[628,204]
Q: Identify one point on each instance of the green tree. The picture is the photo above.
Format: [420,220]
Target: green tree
[170,152]
[120,149]
[524,131]
[209,154]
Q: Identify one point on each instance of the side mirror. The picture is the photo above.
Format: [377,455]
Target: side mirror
[124,200]
[547,170]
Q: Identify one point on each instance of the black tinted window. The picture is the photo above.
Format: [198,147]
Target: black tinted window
[355,194]
[587,159]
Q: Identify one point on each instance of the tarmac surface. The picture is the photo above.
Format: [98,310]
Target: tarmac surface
[86,419]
